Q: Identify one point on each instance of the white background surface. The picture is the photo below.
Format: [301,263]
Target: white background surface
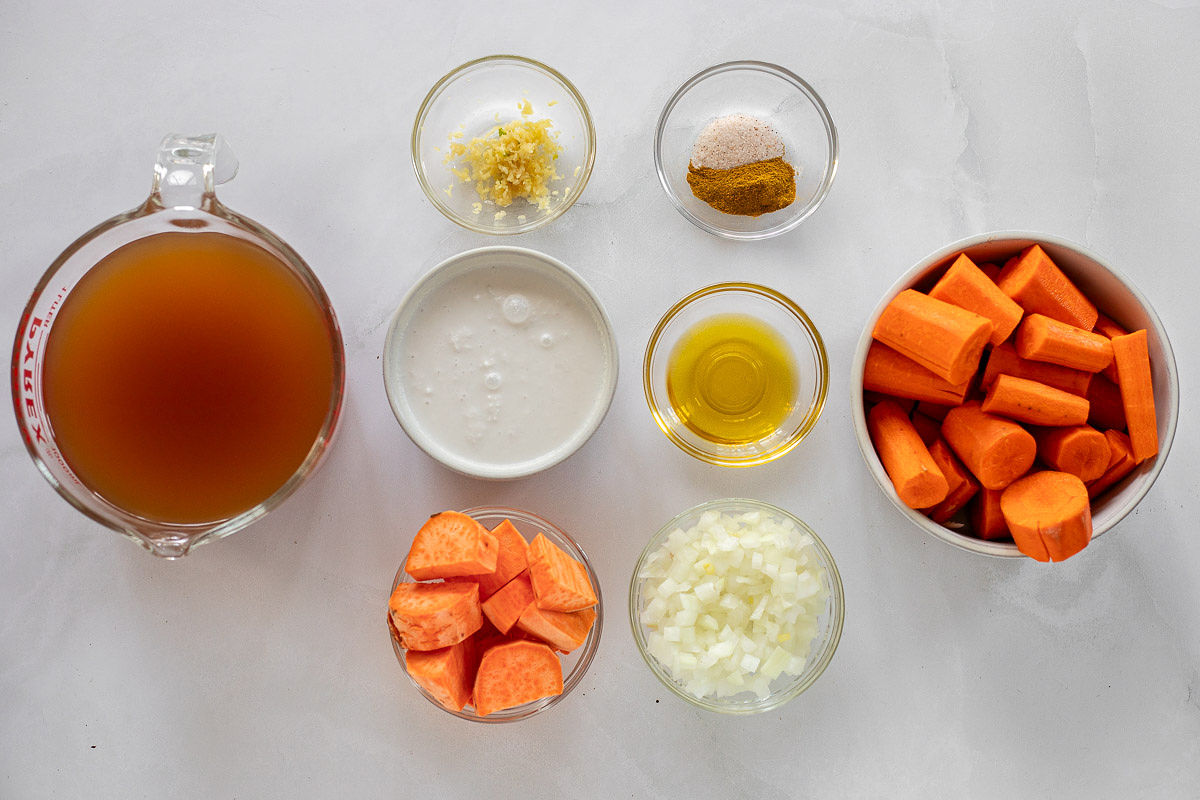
[260,666]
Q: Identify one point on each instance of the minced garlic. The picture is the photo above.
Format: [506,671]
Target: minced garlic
[511,161]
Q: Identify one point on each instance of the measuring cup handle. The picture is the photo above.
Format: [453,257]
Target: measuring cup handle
[189,168]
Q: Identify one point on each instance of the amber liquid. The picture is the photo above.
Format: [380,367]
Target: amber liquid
[188,375]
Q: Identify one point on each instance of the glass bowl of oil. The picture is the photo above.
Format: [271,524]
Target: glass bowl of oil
[735,374]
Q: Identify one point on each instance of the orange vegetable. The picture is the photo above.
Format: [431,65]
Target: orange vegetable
[928,428]
[935,410]
[451,544]
[891,373]
[943,338]
[996,450]
[1003,360]
[991,270]
[1132,355]
[511,560]
[987,521]
[446,673]
[1106,327]
[1120,463]
[505,607]
[514,673]
[427,616]
[562,630]
[1080,450]
[1040,287]
[560,583]
[1048,514]
[962,485]
[1105,409]
[1035,403]
[915,475]
[871,398]
[966,286]
[1041,338]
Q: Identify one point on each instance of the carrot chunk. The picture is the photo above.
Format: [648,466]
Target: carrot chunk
[562,630]
[966,286]
[511,560]
[1040,287]
[1035,403]
[943,338]
[505,607]
[446,673]
[451,544]
[995,449]
[560,583]
[891,373]
[1048,514]
[427,616]
[963,485]
[933,410]
[1003,360]
[1120,463]
[917,478]
[987,521]
[1105,326]
[1078,449]
[1041,338]
[515,673]
[928,428]
[1132,355]
[1105,409]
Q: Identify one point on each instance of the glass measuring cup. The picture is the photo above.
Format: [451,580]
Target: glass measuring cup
[182,211]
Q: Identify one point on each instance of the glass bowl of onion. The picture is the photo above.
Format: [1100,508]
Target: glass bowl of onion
[736,606]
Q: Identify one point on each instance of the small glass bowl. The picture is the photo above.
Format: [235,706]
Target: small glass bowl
[785,687]
[774,95]
[476,97]
[781,314]
[574,664]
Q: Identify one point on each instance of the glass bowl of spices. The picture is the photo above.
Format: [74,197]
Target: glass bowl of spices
[746,150]
[503,144]
[735,374]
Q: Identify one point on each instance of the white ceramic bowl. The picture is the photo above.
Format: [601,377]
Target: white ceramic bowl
[1112,293]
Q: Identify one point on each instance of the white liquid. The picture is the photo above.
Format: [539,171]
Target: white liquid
[503,365]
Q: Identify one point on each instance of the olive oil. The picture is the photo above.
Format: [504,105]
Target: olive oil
[732,379]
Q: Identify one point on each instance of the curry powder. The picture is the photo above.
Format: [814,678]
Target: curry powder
[749,190]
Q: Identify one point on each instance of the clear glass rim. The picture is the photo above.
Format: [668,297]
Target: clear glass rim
[807,422]
[837,610]
[586,651]
[435,93]
[807,90]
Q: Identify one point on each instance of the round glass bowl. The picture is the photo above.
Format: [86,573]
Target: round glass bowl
[500,362]
[475,98]
[783,688]
[574,664]
[772,94]
[779,313]
[1112,294]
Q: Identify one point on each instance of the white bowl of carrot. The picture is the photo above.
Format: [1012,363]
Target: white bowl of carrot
[1014,395]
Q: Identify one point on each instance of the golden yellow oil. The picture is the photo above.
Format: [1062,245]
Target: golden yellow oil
[732,379]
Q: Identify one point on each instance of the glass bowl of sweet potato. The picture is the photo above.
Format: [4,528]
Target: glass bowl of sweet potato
[496,614]
[1014,395]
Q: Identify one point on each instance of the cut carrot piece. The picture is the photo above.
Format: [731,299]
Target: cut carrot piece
[505,607]
[943,338]
[1105,408]
[1041,338]
[562,630]
[1132,355]
[560,583]
[1080,450]
[1107,327]
[996,450]
[962,485]
[1048,514]
[511,560]
[891,373]
[446,673]
[451,544]
[915,475]
[515,673]
[991,270]
[427,616]
[871,398]
[1035,403]
[928,428]
[1003,360]
[966,286]
[987,521]
[1120,463]
[1040,287]
[935,410]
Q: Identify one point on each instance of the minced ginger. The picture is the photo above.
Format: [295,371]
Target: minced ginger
[511,161]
